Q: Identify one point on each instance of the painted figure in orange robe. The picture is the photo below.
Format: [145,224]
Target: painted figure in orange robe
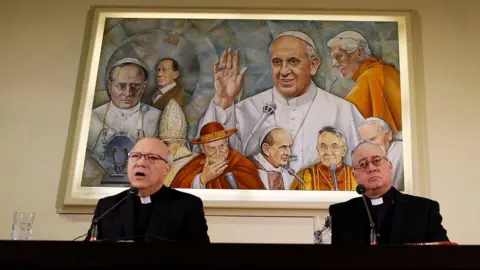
[209,169]
[331,148]
[377,91]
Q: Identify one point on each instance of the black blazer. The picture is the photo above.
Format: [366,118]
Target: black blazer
[177,216]
[414,220]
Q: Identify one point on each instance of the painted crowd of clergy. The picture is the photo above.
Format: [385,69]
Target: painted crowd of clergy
[309,130]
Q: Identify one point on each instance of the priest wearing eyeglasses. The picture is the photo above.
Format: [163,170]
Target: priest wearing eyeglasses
[157,212]
[331,149]
[398,218]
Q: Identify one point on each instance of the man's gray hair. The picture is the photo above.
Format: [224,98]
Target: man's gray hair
[351,41]
[335,131]
[368,143]
[384,126]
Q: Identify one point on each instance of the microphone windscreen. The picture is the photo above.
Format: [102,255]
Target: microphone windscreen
[332,167]
[134,191]
[272,104]
[361,189]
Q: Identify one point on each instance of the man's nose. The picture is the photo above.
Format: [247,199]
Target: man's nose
[129,90]
[372,167]
[285,70]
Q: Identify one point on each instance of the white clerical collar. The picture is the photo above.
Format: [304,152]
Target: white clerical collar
[124,112]
[167,87]
[162,91]
[266,164]
[297,101]
[145,200]
[377,201]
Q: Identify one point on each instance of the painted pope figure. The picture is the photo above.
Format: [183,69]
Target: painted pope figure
[211,168]
[300,107]
[116,126]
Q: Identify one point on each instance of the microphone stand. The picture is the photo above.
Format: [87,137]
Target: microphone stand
[333,169]
[292,173]
[94,227]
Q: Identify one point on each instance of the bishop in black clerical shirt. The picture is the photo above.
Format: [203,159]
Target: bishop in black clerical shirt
[399,218]
[157,213]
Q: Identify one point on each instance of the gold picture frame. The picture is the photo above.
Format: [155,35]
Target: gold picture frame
[73,195]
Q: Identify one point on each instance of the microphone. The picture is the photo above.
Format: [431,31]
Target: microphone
[267,110]
[94,227]
[373,235]
[333,169]
[231,180]
[334,80]
[292,173]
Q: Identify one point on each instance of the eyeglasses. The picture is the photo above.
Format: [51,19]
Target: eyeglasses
[152,158]
[376,161]
[335,147]
[133,86]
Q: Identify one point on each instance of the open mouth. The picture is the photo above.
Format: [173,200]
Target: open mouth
[139,174]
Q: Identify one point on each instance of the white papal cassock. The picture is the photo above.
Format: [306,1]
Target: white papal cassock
[139,121]
[302,117]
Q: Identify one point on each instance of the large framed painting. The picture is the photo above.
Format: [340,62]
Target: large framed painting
[260,109]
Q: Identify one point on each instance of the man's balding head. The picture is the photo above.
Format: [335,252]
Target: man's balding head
[376,130]
[276,147]
[148,165]
[372,168]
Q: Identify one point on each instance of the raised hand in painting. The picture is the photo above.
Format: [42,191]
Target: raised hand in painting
[228,81]
[212,171]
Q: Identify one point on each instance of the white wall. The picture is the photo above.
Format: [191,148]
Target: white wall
[40,53]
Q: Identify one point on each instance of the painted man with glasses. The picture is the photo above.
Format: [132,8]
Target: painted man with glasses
[399,218]
[331,149]
[117,125]
[151,211]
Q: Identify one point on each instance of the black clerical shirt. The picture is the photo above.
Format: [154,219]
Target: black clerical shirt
[382,216]
[143,212]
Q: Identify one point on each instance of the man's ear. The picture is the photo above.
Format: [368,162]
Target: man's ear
[109,89]
[143,88]
[315,64]
[359,54]
[176,74]
[344,150]
[265,148]
[389,135]
[168,167]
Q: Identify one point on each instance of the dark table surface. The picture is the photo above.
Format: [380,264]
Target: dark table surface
[234,256]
